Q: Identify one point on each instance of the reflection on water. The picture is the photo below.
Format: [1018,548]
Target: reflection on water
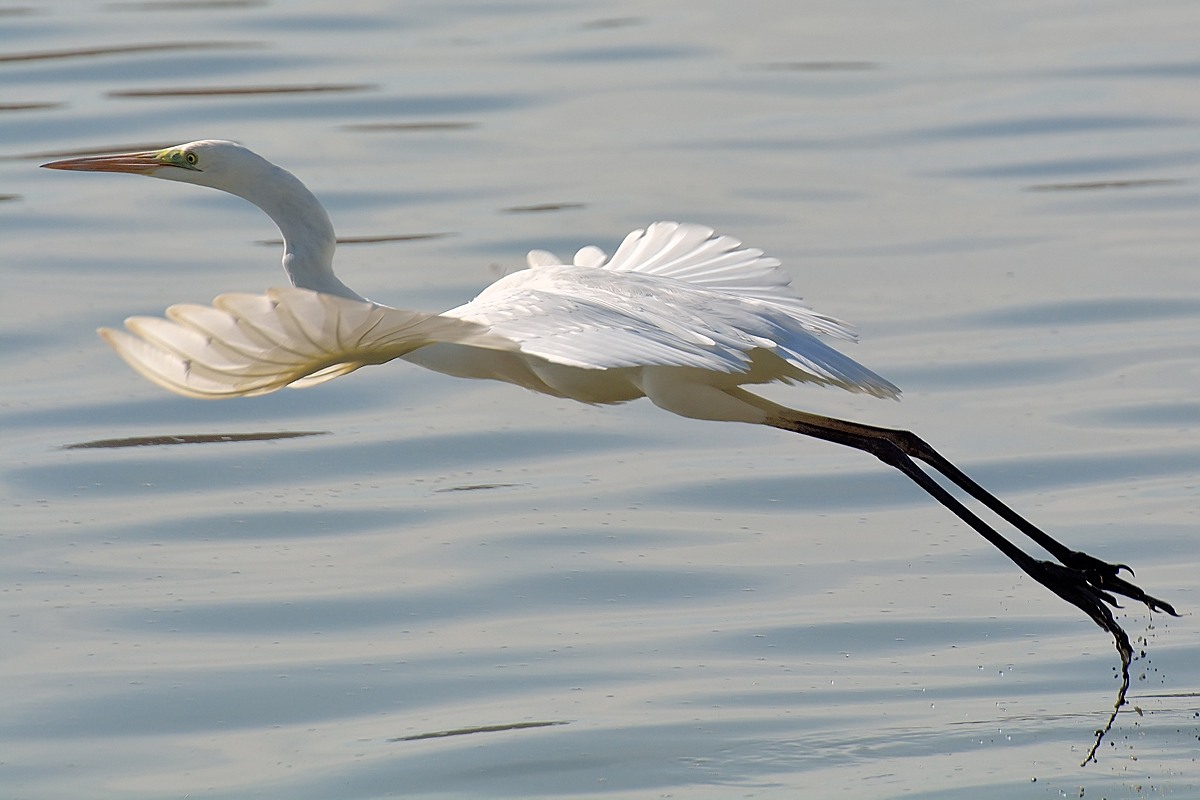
[618,603]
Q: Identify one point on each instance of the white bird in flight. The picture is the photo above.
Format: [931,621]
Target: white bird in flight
[677,314]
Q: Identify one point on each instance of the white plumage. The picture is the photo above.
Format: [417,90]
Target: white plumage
[675,305]
[247,344]
[671,296]
[678,314]
[674,295]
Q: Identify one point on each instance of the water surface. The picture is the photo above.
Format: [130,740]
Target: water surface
[1004,199]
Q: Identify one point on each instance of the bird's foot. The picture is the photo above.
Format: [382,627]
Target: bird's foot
[1106,578]
[1082,589]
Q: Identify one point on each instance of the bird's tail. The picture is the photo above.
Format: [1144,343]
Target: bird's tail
[250,344]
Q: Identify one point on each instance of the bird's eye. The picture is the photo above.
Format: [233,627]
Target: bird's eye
[190,158]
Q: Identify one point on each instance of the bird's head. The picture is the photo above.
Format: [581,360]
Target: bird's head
[209,162]
[308,235]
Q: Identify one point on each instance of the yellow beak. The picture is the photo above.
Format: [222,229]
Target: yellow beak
[135,163]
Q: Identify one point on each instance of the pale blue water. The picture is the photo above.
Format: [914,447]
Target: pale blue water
[1003,198]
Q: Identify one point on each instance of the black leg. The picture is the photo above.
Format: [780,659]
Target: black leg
[1071,584]
[1099,574]
[1082,580]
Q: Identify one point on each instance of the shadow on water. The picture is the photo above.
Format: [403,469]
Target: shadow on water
[91,52]
[221,91]
[1085,186]
[512,726]
[212,468]
[184,5]
[194,438]
[379,127]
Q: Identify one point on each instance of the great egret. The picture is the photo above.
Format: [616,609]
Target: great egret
[677,314]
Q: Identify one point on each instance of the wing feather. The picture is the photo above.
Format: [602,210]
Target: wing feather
[247,344]
[671,295]
[695,254]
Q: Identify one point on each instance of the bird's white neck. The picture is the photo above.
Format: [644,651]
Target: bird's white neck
[308,237]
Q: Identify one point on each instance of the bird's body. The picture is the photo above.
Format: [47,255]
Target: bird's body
[678,314]
[603,330]
[675,305]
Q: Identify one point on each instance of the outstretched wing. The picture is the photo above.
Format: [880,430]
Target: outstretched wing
[671,295]
[247,344]
[696,254]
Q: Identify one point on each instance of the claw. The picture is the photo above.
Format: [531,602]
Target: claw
[1154,604]
[1127,589]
